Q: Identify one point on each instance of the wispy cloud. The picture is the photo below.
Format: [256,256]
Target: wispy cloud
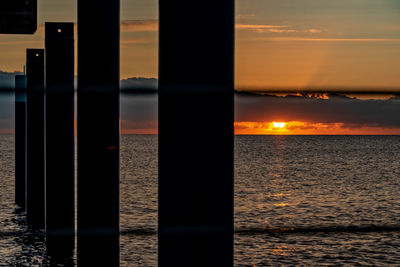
[126,26]
[340,109]
[314,31]
[152,25]
[135,41]
[243,16]
[139,25]
[281,30]
[21,42]
[264,28]
[306,39]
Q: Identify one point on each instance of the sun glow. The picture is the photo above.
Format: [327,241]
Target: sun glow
[308,128]
[279,124]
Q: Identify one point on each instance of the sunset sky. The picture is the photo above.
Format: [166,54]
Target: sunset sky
[298,115]
[292,44]
[280,44]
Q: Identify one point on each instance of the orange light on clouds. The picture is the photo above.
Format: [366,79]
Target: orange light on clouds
[307,128]
[278,124]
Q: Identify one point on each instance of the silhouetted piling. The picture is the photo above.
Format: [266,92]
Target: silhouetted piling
[60,173]
[35,138]
[196,79]
[20,141]
[98,128]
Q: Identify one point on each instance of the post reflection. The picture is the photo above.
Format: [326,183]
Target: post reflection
[60,250]
[98,250]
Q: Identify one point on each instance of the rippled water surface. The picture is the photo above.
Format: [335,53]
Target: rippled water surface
[301,200]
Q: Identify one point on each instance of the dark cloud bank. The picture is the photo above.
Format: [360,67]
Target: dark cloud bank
[7,79]
[352,112]
[134,84]
[141,111]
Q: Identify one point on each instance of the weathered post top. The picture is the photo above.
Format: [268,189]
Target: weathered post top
[35,69]
[59,30]
[60,60]
[34,55]
[18,16]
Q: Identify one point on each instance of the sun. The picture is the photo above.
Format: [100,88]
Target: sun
[278,124]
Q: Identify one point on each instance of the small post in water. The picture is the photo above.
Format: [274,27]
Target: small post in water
[20,140]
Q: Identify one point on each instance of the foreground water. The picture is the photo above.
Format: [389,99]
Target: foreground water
[309,200]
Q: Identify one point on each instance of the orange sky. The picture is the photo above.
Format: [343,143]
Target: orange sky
[304,128]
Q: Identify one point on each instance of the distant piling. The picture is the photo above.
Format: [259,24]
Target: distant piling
[59,113]
[196,82]
[98,132]
[35,180]
[20,141]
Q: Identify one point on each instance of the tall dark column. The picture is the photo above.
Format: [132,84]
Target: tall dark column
[20,141]
[196,82]
[98,132]
[35,138]
[60,184]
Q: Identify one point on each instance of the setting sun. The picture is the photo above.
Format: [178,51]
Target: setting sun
[279,124]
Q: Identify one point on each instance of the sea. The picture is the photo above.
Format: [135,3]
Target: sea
[299,200]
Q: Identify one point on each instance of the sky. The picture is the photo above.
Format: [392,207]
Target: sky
[289,44]
[280,44]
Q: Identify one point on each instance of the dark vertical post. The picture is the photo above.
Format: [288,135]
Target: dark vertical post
[98,132]
[35,138]
[20,142]
[196,82]
[60,184]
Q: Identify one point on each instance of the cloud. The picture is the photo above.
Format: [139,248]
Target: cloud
[150,25]
[314,31]
[280,30]
[33,42]
[127,43]
[140,83]
[351,112]
[7,79]
[350,40]
[258,26]
[243,16]
[264,28]
[153,26]
[139,25]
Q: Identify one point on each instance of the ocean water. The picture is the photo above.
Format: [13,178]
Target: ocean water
[299,200]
